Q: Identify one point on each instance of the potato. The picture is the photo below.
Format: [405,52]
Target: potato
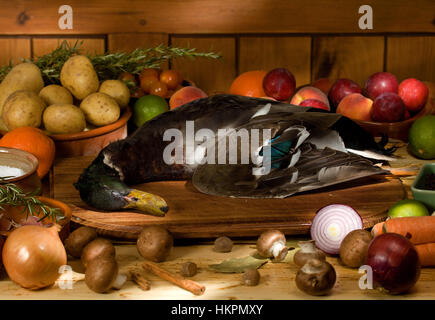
[55,94]
[79,77]
[100,109]
[23,108]
[118,90]
[24,76]
[63,118]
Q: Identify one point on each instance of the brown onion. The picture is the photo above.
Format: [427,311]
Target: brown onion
[32,256]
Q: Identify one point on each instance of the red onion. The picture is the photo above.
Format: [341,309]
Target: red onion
[331,224]
[394,262]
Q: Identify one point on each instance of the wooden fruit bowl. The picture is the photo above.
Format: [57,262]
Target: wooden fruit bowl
[395,130]
[90,142]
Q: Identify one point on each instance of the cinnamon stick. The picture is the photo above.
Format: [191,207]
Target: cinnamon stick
[189,285]
[143,283]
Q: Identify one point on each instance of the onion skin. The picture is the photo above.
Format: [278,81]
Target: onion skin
[32,256]
[394,261]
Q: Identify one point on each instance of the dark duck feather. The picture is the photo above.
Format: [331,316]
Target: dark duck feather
[308,151]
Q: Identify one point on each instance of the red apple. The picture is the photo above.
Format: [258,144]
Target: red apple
[355,106]
[414,94]
[379,83]
[279,84]
[340,89]
[388,107]
[407,115]
[314,103]
[309,92]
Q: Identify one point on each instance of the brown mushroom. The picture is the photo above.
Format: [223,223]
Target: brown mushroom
[78,239]
[155,243]
[353,248]
[251,277]
[97,248]
[316,277]
[102,275]
[308,251]
[223,244]
[189,269]
[272,244]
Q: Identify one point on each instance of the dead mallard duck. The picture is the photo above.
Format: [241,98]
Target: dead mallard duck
[300,149]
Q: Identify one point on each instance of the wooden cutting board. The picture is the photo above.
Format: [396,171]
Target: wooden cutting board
[196,215]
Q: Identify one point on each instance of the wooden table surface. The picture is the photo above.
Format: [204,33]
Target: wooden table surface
[277,279]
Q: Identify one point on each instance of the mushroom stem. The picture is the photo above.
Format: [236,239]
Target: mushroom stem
[313,266]
[279,250]
[308,246]
[119,281]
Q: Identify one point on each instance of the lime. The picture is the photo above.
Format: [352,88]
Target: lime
[422,137]
[148,107]
[408,208]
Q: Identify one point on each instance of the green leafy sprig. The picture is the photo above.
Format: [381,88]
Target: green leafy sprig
[13,195]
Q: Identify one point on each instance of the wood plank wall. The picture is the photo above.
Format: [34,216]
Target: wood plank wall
[313,41]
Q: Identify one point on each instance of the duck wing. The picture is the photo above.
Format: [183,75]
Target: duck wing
[305,154]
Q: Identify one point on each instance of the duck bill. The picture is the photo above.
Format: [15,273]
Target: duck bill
[146,202]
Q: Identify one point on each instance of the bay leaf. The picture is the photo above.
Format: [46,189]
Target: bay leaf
[238,265]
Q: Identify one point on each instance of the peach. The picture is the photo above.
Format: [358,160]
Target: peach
[185,95]
[309,92]
[355,106]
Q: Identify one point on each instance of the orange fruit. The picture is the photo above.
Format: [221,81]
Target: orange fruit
[34,141]
[249,84]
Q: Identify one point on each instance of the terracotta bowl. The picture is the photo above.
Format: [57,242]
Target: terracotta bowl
[16,214]
[395,130]
[89,143]
[28,181]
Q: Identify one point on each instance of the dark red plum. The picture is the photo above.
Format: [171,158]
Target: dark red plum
[279,84]
[379,83]
[388,107]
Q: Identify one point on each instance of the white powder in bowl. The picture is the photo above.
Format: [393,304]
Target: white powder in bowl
[10,172]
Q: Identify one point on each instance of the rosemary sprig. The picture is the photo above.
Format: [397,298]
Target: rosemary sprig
[109,65]
[13,195]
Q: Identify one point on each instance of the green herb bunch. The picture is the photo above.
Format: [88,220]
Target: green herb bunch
[109,65]
[12,195]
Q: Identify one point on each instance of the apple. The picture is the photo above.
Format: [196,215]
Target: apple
[379,83]
[355,106]
[314,103]
[388,107]
[309,92]
[340,89]
[279,84]
[414,94]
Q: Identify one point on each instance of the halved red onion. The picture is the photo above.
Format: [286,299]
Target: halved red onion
[331,224]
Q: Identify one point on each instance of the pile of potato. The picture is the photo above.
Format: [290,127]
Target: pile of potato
[79,103]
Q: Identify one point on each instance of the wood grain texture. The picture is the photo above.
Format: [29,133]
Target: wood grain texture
[196,215]
[277,280]
[14,49]
[411,57]
[127,42]
[212,76]
[216,16]
[266,53]
[89,46]
[351,57]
